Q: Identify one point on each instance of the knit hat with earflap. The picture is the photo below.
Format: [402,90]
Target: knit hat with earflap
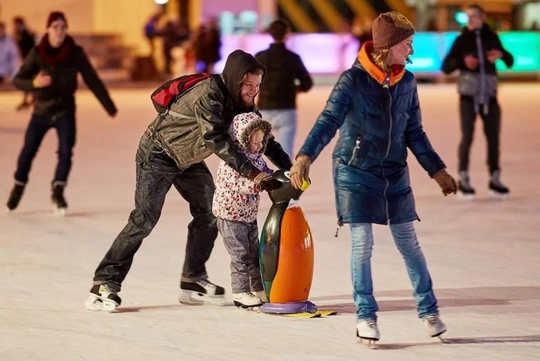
[390,29]
[56,15]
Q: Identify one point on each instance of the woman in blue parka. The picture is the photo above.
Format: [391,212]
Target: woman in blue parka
[375,107]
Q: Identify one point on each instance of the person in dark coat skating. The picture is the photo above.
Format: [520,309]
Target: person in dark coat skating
[50,72]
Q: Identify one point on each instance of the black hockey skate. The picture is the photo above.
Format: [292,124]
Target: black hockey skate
[58,200]
[465,190]
[102,298]
[201,292]
[496,188]
[15,196]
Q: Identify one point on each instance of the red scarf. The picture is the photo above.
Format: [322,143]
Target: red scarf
[56,56]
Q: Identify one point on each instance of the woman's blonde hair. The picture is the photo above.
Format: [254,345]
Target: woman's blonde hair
[379,56]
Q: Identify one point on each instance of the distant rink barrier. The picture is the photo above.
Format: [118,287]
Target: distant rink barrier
[333,53]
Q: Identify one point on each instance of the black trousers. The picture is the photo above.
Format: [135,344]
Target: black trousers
[492,128]
[156,173]
[38,127]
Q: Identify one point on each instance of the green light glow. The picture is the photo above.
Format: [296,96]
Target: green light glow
[525,47]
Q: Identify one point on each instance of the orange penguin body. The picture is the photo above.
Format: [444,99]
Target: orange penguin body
[292,282]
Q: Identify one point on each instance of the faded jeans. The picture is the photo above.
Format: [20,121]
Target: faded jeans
[407,244]
[241,240]
[156,173]
[284,125]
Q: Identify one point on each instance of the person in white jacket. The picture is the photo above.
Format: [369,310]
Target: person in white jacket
[9,55]
[236,204]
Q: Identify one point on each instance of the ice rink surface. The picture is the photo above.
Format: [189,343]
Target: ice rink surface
[484,255]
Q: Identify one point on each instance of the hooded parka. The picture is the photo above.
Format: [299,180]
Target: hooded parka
[237,198]
[198,121]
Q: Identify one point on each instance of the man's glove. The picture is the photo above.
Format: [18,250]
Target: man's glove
[446,182]
[270,185]
[300,170]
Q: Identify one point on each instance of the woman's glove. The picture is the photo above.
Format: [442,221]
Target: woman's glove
[446,182]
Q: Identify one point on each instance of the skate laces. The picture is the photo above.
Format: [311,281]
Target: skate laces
[433,320]
[367,328]
[205,283]
[105,290]
[371,324]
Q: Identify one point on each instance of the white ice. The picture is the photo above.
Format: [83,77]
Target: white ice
[484,255]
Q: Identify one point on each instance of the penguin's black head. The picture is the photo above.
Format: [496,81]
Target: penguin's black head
[286,191]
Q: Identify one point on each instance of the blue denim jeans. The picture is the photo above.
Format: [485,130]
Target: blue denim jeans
[407,244]
[156,173]
[38,127]
[284,125]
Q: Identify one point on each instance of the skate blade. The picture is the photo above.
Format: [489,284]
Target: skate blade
[438,339]
[200,299]
[242,306]
[465,197]
[369,342]
[437,336]
[59,212]
[499,196]
[256,309]
[94,303]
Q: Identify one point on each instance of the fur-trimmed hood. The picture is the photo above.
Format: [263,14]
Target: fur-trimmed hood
[243,125]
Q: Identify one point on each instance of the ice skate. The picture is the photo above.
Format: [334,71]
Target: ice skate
[58,200]
[247,300]
[261,295]
[496,189]
[15,196]
[465,190]
[201,292]
[368,332]
[434,326]
[102,298]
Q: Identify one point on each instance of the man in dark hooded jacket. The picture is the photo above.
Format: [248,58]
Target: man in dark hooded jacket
[172,152]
